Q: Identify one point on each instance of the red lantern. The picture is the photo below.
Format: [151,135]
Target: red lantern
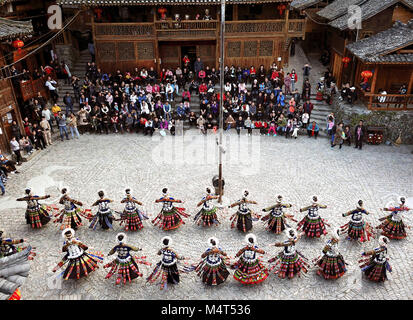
[18,44]
[162,12]
[281,8]
[366,75]
[346,60]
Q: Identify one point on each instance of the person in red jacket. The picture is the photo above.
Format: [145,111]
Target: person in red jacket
[203,89]
[201,75]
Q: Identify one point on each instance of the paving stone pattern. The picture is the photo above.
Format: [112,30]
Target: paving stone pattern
[266,166]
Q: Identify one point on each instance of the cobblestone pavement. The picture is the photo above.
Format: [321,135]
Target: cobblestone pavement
[266,166]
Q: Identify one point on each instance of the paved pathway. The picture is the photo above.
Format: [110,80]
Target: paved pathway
[266,166]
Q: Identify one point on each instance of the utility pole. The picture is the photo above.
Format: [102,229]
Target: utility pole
[221,97]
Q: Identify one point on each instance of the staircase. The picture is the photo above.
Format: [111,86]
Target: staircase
[79,70]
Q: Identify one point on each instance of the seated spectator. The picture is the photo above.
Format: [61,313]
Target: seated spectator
[8,165]
[312,130]
[26,145]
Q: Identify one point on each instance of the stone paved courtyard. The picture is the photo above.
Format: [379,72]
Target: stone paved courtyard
[266,166]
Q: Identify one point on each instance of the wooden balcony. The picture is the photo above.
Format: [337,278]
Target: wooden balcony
[388,102]
[199,29]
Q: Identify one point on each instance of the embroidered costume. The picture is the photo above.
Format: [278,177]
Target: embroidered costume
[357,228]
[132,216]
[208,214]
[14,267]
[213,267]
[331,264]
[69,216]
[276,218]
[244,216]
[376,264]
[249,268]
[289,262]
[37,215]
[80,263]
[170,216]
[312,224]
[166,269]
[104,214]
[125,265]
[7,245]
[392,225]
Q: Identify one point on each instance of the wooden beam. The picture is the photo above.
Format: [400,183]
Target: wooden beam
[373,84]
[235,12]
[410,86]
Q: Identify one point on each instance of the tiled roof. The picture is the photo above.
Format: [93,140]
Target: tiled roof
[11,28]
[337,8]
[368,9]
[155,2]
[303,4]
[338,14]
[380,47]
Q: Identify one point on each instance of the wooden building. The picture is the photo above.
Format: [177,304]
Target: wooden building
[329,23]
[389,56]
[9,110]
[136,33]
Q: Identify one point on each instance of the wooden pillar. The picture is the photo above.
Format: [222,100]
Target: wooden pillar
[410,86]
[217,36]
[156,47]
[92,20]
[285,55]
[235,12]
[373,84]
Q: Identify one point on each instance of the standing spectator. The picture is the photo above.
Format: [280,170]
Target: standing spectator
[308,108]
[48,116]
[338,137]
[44,124]
[55,111]
[73,125]
[83,120]
[294,79]
[359,133]
[3,189]
[61,119]
[239,124]
[91,48]
[15,130]
[68,101]
[306,70]
[347,135]
[15,147]
[52,86]
[287,83]
[40,135]
[198,66]
[66,72]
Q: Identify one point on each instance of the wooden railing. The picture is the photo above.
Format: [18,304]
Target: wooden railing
[30,88]
[200,28]
[125,29]
[389,102]
[186,24]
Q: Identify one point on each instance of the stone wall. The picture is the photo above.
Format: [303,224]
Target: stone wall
[67,53]
[396,122]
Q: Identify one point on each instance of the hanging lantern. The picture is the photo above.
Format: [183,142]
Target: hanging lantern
[366,75]
[18,44]
[346,60]
[162,12]
[281,8]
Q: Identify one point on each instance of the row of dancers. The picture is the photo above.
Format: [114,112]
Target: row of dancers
[214,265]
[171,216]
